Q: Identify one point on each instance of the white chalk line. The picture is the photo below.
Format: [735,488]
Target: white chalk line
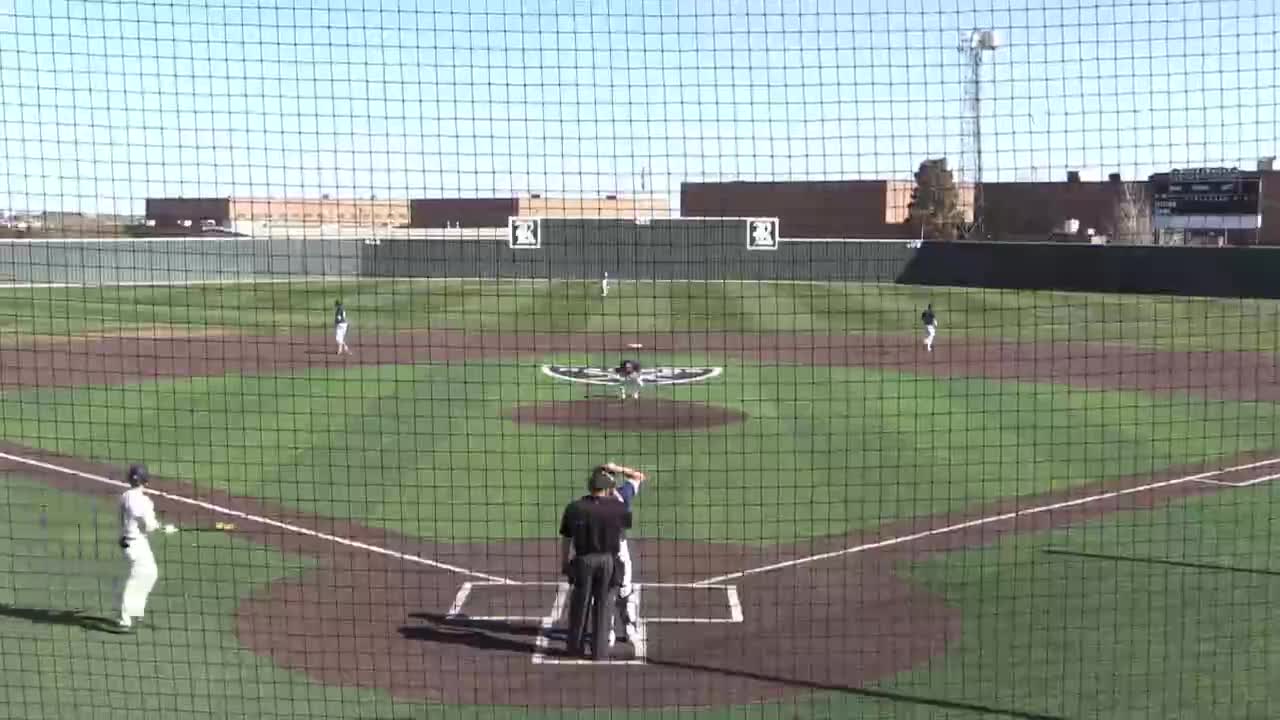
[459,600]
[1242,483]
[543,641]
[262,520]
[913,537]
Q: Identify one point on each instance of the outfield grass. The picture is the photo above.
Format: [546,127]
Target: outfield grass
[406,447]
[398,305]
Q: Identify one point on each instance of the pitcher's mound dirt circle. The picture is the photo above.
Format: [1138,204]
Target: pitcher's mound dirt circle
[623,415]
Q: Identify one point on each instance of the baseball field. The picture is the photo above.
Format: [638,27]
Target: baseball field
[1064,510]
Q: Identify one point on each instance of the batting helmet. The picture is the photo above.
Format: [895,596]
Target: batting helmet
[138,475]
[601,479]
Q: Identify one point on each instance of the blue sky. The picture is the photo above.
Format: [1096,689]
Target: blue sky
[105,103]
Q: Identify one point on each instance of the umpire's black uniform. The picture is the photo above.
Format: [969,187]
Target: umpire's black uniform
[593,524]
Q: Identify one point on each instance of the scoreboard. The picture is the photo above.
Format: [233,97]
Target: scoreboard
[1207,192]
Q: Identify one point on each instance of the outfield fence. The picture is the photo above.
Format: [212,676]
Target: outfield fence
[670,250]
[171,260]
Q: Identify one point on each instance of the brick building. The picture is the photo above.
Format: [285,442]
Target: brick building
[243,214]
[494,212]
[1063,211]
[879,209]
[826,209]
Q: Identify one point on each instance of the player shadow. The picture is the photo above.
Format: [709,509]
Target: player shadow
[499,635]
[940,703]
[68,618]
[1161,561]
[492,635]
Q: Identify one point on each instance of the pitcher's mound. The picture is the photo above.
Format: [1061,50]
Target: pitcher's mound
[622,415]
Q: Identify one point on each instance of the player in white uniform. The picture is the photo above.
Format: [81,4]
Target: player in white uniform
[604,286]
[340,327]
[930,321]
[625,492]
[137,520]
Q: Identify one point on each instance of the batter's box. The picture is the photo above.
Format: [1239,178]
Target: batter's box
[513,602]
[654,604]
[1241,476]
[678,603]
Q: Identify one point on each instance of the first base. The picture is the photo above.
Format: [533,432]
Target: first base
[634,346]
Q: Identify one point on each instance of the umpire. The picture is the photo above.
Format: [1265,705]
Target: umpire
[591,530]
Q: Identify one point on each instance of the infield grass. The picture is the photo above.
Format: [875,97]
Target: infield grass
[388,306]
[825,450]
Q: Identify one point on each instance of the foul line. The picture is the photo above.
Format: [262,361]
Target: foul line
[903,539]
[262,520]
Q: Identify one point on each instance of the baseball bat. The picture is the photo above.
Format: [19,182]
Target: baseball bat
[217,527]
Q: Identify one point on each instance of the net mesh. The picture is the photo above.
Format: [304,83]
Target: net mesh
[956,391]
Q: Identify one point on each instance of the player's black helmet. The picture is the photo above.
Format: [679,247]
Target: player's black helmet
[137,475]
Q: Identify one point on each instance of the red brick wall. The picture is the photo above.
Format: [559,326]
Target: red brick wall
[813,209]
[169,211]
[1037,209]
[1269,234]
[462,212]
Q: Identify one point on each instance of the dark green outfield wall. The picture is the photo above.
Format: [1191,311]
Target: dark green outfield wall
[665,250]
[717,250]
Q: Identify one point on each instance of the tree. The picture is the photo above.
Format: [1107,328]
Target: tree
[935,201]
[1133,220]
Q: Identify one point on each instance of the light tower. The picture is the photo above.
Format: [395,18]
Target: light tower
[974,46]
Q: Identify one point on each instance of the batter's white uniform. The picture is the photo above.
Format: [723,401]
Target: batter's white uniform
[137,518]
[627,599]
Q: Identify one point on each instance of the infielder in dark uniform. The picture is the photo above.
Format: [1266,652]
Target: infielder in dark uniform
[591,530]
[930,321]
[340,327]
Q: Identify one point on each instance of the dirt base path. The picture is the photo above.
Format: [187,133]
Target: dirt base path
[824,614]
